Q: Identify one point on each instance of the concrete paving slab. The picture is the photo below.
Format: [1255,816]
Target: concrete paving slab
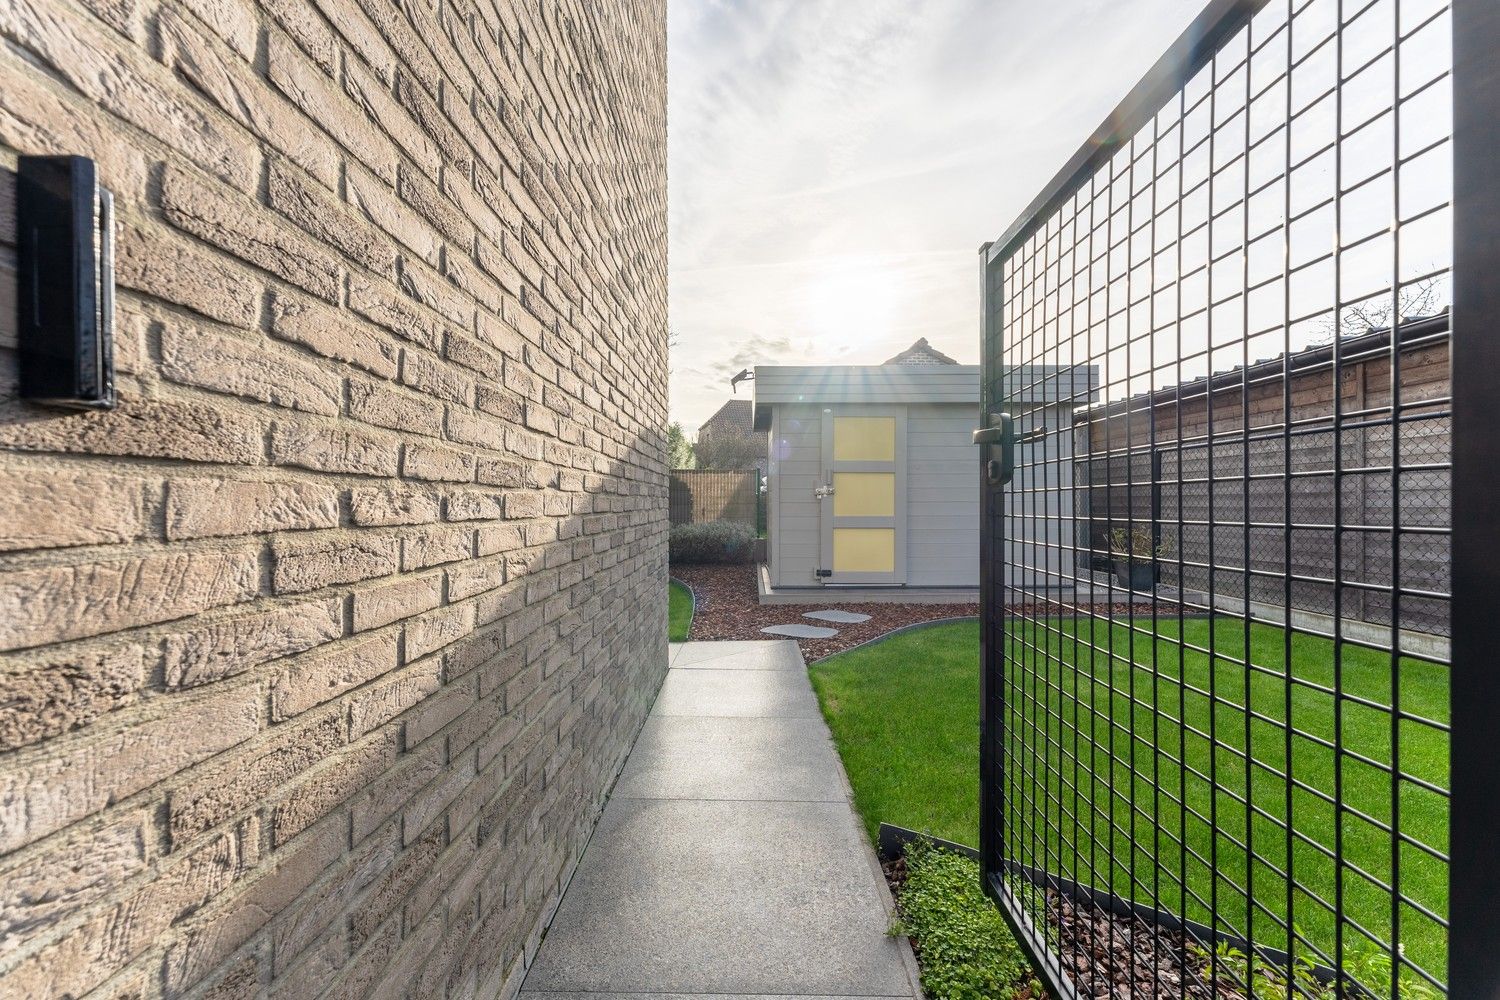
[772,654]
[696,652]
[682,757]
[695,897]
[834,615]
[781,694]
[801,631]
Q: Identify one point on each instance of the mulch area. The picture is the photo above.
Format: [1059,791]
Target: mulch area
[1110,957]
[725,607]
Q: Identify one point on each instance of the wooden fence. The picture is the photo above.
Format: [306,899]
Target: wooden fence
[701,495]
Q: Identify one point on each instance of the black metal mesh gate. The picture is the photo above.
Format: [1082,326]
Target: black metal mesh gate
[1218,753]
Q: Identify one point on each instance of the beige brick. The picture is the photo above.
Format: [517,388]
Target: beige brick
[73,872]
[332,334]
[432,632]
[150,261]
[240,781]
[443,708]
[232,223]
[380,303]
[383,405]
[155,429]
[232,646]
[319,792]
[475,577]
[377,505]
[329,449]
[413,200]
[380,605]
[316,213]
[305,683]
[436,546]
[232,84]
[200,508]
[320,99]
[247,368]
[308,564]
[276,888]
[39,701]
[376,201]
[384,701]
[40,796]
[54,603]
[70,508]
[523,504]
[128,83]
[431,376]
[437,463]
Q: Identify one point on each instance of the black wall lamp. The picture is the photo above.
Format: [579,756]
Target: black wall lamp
[66,293]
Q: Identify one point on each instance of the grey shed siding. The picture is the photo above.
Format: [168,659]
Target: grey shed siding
[796,462]
[942,495]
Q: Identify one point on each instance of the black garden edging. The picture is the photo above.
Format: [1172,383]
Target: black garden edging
[914,626]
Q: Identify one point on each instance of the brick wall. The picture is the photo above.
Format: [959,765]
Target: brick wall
[318,655]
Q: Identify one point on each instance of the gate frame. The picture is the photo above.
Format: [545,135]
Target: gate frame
[1474,782]
[1474,345]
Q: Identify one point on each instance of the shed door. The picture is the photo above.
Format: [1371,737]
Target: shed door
[862,499]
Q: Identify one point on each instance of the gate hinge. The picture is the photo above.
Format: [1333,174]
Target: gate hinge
[823,572]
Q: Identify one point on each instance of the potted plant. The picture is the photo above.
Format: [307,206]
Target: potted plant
[1135,553]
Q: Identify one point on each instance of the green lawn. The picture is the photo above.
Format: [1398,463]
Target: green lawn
[1107,723]
[905,716]
[679,611]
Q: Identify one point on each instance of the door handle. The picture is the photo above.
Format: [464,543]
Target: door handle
[1003,435]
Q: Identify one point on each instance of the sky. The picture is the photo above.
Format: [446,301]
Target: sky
[834,165]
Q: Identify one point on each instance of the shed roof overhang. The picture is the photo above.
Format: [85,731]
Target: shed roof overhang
[821,384]
[781,384]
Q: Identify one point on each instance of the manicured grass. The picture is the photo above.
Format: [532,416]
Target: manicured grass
[905,717]
[1099,741]
[679,611]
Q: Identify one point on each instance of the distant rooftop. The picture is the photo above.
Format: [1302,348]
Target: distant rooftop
[921,353]
[731,419]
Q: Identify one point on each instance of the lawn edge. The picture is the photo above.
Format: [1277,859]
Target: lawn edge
[913,627]
[693,603]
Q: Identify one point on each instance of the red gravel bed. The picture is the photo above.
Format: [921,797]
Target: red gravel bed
[725,607]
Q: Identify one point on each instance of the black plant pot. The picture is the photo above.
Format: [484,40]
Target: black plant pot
[1137,574]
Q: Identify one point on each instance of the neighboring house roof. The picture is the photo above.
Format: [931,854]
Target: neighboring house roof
[733,418]
[921,353]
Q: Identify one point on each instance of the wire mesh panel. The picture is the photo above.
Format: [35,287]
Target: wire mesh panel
[1217,750]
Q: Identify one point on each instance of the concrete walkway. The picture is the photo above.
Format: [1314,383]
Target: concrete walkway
[729,862]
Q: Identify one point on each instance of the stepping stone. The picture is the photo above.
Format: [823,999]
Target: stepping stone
[843,617]
[801,631]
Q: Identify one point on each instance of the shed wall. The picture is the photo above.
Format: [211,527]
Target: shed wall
[942,494]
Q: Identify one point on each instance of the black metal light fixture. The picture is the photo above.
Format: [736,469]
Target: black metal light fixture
[66,285]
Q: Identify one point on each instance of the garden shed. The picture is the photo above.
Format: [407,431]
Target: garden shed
[873,478]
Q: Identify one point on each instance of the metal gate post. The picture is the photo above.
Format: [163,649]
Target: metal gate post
[1474,868]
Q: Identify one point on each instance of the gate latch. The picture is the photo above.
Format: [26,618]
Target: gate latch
[1002,433]
[823,492]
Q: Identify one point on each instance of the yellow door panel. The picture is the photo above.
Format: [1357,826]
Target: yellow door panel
[864,494]
[864,439]
[864,550]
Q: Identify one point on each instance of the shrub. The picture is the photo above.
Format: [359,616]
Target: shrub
[965,949]
[712,542]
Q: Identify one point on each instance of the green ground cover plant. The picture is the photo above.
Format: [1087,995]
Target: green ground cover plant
[967,951]
[679,611]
